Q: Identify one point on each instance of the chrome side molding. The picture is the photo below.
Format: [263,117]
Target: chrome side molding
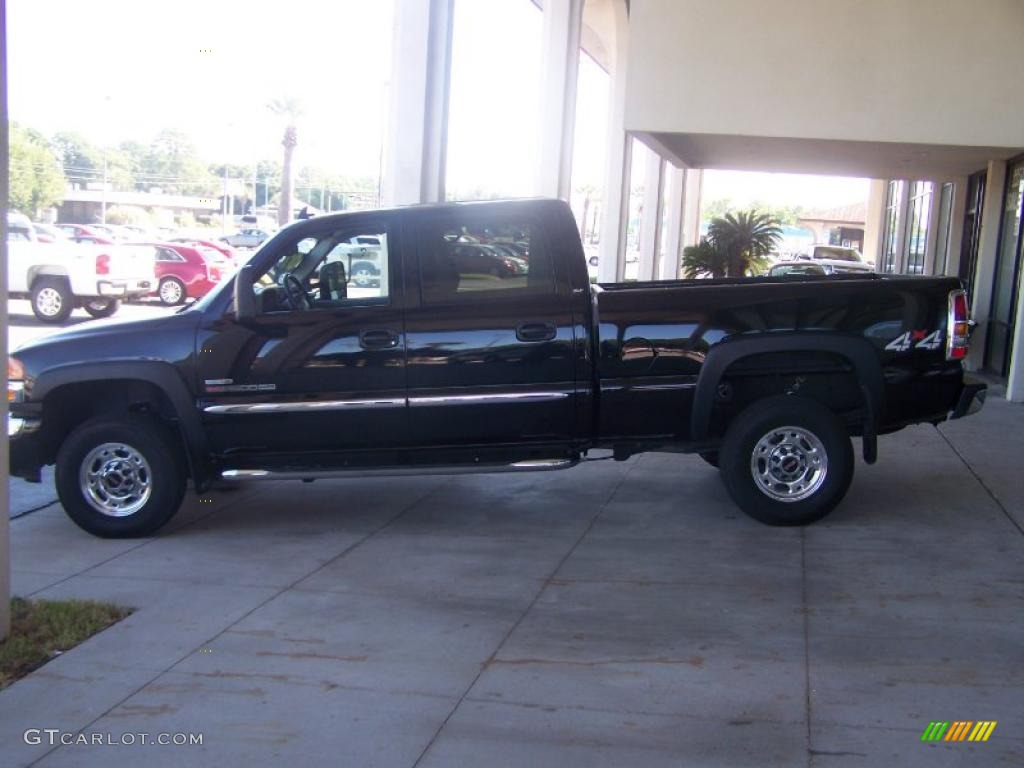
[528,465]
[486,398]
[306,406]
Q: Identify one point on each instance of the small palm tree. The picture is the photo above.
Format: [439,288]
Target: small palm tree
[290,109]
[703,260]
[746,239]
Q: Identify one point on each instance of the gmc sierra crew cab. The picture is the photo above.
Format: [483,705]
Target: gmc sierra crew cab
[512,362]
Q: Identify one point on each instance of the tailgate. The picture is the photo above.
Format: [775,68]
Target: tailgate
[131,262]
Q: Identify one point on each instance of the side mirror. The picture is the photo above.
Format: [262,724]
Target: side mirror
[245,297]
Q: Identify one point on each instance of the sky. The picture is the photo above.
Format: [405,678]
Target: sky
[114,70]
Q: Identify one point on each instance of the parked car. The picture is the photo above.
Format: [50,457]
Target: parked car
[58,277]
[798,268]
[281,373]
[246,238]
[46,233]
[835,259]
[77,230]
[184,272]
[479,259]
[226,250]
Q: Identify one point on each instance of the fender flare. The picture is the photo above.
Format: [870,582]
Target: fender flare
[164,376]
[857,350]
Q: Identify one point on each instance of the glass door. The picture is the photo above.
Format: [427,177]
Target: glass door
[972,230]
[1004,288]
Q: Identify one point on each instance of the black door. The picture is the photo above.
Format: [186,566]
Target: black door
[489,331]
[972,230]
[322,366]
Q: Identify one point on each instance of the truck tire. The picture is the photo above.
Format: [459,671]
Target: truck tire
[120,477]
[52,300]
[786,460]
[171,291]
[101,307]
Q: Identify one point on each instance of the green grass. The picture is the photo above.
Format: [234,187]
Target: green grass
[43,629]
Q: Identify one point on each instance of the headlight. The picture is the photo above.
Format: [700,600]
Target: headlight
[15,380]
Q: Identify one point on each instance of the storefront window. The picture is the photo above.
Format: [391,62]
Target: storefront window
[917,227]
[890,242]
[1004,289]
[942,233]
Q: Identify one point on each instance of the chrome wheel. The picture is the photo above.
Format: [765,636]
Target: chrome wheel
[171,292]
[115,479]
[49,302]
[789,464]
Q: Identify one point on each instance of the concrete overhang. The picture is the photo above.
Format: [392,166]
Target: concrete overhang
[879,160]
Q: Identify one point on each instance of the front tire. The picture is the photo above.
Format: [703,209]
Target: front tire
[52,300]
[120,477]
[786,461]
[101,308]
[171,291]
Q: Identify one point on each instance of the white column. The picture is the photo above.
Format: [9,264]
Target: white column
[650,218]
[988,249]
[902,227]
[874,224]
[672,235]
[563,21]
[691,206]
[417,130]
[956,225]
[931,244]
[615,203]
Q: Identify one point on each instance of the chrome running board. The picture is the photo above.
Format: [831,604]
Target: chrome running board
[529,465]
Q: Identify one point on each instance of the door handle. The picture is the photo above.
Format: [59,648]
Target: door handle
[378,338]
[536,331]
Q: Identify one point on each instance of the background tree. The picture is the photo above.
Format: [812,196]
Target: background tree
[703,260]
[290,109]
[35,179]
[172,163]
[745,239]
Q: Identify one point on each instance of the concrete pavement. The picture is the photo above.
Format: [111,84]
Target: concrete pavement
[610,615]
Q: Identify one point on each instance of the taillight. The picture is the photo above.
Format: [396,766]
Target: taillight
[958,325]
[103,264]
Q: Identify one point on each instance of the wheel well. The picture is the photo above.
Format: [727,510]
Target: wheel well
[37,273]
[70,405]
[826,377]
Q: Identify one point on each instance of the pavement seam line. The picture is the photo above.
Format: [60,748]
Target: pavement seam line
[807,641]
[205,643]
[543,587]
[981,482]
[141,544]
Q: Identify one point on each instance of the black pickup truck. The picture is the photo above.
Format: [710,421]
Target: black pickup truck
[482,347]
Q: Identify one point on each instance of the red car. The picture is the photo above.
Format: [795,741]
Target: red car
[184,272]
[224,248]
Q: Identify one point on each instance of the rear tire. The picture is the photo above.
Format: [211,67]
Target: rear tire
[786,460]
[101,308]
[120,477]
[52,300]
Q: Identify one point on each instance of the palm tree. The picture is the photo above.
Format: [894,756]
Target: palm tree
[291,109]
[703,260]
[746,239]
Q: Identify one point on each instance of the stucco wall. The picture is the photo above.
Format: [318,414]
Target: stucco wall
[922,71]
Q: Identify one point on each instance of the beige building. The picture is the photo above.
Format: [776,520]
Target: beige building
[923,96]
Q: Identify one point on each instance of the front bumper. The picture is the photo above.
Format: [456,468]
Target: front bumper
[972,398]
[119,288]
[25,459]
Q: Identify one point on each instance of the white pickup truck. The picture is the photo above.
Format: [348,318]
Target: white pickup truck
[58,277]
